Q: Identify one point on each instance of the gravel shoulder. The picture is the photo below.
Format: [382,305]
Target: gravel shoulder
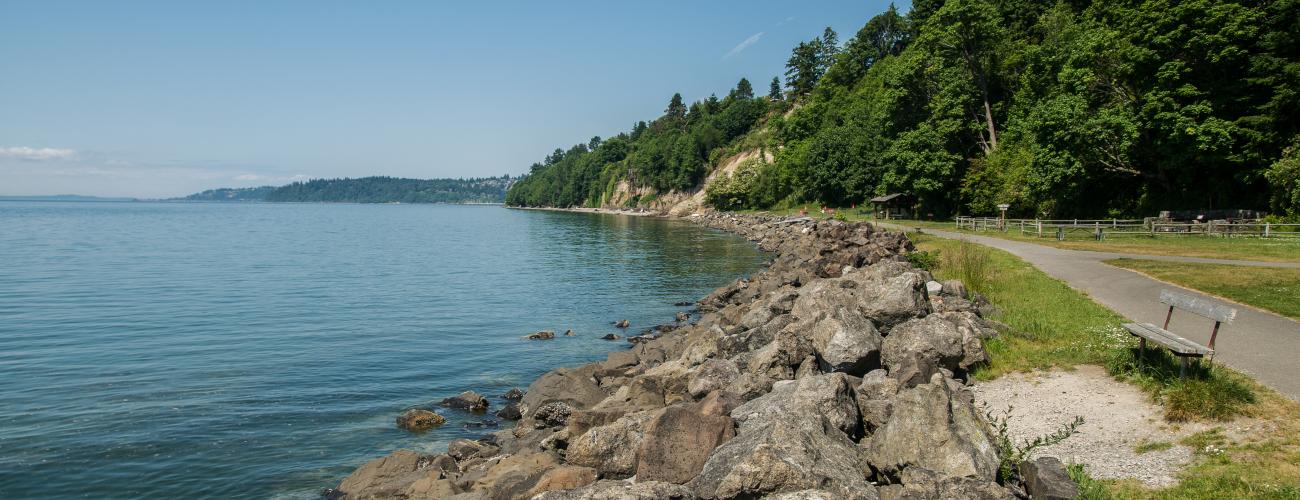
[1117,419]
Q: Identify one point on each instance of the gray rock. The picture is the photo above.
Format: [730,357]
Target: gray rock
[830,396]
[464,449]
[569,333]
[800,452]
[954,288]
[930,428]
[922,484]
[933,288]
[712,375]
[509,412]
[468,400]
[622,490]
[387,476]
[913,369]
[1045,478]
[553,414]
[417,420]
[542,335]
[678,441]
[514,394]
[931,338]
[612,448]
[875,398]
[682,317]
[846,341]
[573,387]
[622,323]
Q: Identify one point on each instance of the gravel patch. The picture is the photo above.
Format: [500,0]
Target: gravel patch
[1117,418]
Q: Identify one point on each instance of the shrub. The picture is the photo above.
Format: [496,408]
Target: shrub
[927,260]
[970,262]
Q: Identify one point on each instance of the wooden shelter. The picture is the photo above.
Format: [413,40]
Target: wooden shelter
[893,206]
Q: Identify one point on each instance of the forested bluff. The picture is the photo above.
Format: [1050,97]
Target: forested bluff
[370,190]
[1066,109]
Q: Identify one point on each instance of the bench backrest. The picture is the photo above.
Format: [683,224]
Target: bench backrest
[1215,311]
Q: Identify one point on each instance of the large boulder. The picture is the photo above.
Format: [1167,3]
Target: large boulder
[622,490]
[779,358]
[514,475]
[417,420]
[573,387]
[829,395]
[712,375]
[922,484]
[465,449]
[800,452]
[875,397]
[611,449]
[1045,478]
[930,428]
[678,441]
[932,338]
[388,476]
[846,341]
[564,477]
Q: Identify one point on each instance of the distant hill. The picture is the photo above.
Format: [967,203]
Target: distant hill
[63,197]
[233,194]
[370,190]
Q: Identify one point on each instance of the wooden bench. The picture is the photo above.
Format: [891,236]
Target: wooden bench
[1179,346]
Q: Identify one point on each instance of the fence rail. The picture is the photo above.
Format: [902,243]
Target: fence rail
[1101,229]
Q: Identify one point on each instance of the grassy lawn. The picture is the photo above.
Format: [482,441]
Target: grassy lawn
[1270,288]
[1049,325]
[1276,250]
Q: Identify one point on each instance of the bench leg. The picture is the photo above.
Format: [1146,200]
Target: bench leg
[1182,368]
[1142,350]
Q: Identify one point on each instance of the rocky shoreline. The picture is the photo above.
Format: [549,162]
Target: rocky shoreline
[837,372]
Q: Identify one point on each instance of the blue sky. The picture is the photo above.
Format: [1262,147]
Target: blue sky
[159,99]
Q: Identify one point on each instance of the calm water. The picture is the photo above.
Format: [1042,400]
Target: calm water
[200,350]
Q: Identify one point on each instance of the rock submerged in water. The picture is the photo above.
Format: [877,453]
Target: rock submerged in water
[831,372]
[542,335]
[682,317]
[417,420]
[610,336]
[622,323]
[569,333]
[468,400]
[514,394]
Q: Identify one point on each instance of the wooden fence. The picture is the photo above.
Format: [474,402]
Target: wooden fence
[1100,229]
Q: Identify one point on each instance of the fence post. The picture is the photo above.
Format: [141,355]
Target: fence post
[1266,228]
[1039,223]
[1113,223]
[1060,233]
[1097,229]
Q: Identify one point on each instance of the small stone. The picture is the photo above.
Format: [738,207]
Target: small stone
[610,336]
[1046,479]
[622,323]
[683,317]
[509,412]
[416,419]
[514,394]
[933,287]
[569,333]
[468,400]
[542,335]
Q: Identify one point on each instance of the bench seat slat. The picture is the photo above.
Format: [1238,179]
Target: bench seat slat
[1167,339]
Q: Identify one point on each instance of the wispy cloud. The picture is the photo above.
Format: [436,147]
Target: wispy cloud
[753,39]
[786,20]
[36,154]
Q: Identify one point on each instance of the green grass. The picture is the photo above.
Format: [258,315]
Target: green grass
[1275,289]
[1048,324]
[1150,446]
[1270,250]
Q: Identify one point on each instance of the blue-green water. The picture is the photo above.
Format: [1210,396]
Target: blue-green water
[261,350]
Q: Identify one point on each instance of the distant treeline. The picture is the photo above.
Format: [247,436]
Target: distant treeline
[1068,108]
[370,190]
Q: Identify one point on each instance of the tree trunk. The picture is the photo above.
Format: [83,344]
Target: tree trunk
[988,118]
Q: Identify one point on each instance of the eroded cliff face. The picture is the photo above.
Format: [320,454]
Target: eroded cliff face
[834,373]
[676,203]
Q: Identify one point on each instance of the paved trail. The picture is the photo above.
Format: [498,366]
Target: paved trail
[1262,344]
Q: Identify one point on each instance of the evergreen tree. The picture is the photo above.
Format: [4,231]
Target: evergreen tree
[774,91]
[743,90]
[676,108]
